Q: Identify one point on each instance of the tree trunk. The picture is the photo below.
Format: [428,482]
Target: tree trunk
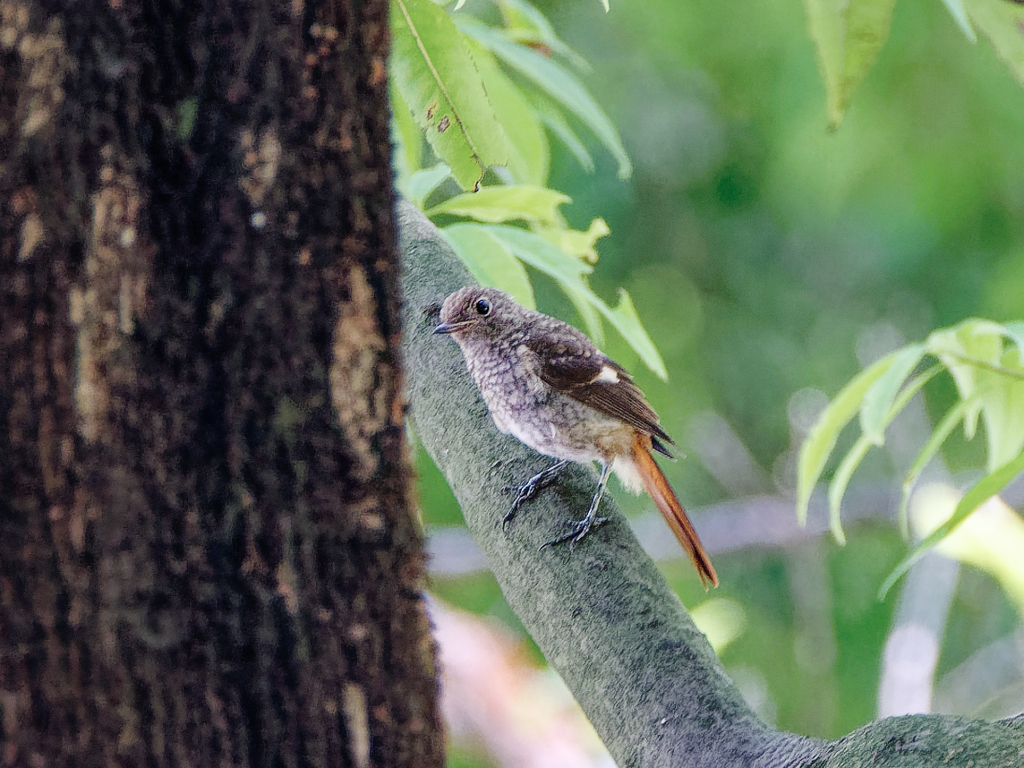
[207,555]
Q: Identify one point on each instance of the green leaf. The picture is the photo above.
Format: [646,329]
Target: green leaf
[555,121]
[894,406]
[976,495]
[542,255]
[560,84]
[584,306]
[627,322]
[959,14]
[580,244]
[490,261]
[960,348]
[999,21]
[497,204]
[822,438]
[848,35]
[1015,333]
[407,139]
[837,488]
[419,186]
[437,77]
[942,431]
[1003,408]
[874,410]
[525,24]
[568,272]
[530,154]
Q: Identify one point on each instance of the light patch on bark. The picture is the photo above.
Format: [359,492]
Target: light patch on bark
[32,234]
[288,587]
[46,59]
[360,382]
[112,295]
[357,722]
[261,158]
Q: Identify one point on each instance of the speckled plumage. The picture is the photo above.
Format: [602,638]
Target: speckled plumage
[546,383]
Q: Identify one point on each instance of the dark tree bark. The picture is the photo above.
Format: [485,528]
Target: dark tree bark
[207,555]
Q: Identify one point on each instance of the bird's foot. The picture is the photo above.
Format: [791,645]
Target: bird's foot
[579,530]
[529,489]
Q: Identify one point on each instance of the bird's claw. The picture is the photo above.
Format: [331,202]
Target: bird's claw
[579,531]
[523,494]
[529,489]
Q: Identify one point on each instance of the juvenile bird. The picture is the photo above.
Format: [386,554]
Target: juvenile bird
[546,383]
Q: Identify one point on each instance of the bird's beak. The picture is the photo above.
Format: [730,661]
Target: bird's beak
[451,327]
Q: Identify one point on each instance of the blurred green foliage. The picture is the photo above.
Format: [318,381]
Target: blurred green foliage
[767,256]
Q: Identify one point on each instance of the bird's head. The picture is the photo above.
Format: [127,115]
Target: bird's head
[476,311]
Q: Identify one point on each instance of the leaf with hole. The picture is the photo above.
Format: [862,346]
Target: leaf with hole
[438,79]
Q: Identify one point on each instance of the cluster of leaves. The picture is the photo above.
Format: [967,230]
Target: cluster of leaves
[473,103]
[986,361]
[849,35]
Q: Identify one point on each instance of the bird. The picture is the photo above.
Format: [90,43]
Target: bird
[548,385]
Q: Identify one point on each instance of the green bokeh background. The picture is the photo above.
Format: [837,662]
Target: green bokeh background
[762,253]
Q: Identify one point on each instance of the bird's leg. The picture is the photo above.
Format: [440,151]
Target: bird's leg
[529,489]
[582,527]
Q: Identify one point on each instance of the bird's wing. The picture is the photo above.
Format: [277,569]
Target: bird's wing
[574,366]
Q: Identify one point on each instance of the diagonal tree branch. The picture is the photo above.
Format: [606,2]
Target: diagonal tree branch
[601,613]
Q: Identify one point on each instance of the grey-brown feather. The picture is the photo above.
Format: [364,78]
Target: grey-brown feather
[573,365]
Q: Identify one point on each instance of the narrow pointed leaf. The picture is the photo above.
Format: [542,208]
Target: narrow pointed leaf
[1003,408]
[957,348]
[559,83]
[542,255]
[852,460]
[874,411]
[848,35]
[555,121]
[490,262]
[591,317]
[817,448]
[419,186]
[942,431]
[976,495]
[837,488]
[528,25]
[627,322]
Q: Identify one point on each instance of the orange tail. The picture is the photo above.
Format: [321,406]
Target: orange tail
[657,486]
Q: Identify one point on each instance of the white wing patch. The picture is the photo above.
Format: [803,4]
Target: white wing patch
[608,375]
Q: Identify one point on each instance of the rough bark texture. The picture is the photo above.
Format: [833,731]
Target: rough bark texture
[206,550]
[602,614]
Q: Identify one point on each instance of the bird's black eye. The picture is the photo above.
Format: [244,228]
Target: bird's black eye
[483,307]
